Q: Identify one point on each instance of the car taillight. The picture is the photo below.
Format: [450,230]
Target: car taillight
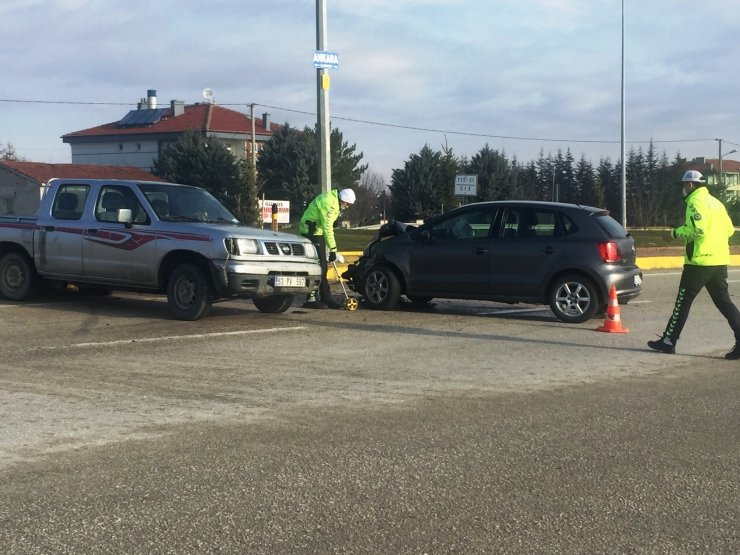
[609,251]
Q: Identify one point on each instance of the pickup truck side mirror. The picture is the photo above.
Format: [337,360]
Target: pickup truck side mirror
[124,216]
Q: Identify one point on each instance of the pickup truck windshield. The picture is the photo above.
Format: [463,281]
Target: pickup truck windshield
[176,203]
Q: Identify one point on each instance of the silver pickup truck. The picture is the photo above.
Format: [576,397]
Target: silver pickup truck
[176,239]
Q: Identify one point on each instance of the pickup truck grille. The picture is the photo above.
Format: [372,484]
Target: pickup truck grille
[285,249]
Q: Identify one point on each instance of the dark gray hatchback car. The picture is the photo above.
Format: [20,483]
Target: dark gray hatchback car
[564,255]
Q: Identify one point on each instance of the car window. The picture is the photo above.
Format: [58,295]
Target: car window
[532,223]
[474,224]
[113,198]
[612,227]
[69,202]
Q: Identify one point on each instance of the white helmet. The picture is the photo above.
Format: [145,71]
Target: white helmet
[693,176]
[347,195]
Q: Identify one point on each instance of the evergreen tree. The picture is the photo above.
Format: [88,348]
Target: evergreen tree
[246,195]
[420,187]
[203,162]
[288,166]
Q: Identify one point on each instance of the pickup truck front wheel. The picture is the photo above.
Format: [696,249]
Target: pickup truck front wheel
[274,303]
[189,294]
[18,277]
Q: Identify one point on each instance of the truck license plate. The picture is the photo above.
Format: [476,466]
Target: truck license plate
[290,281]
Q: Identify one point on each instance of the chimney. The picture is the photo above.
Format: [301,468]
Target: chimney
[151,99]
[266,121]
[177,107]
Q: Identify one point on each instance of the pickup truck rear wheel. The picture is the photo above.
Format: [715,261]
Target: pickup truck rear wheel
[18,277]
[189,294]
[274,303]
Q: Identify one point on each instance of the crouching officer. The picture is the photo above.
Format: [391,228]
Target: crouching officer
[706,232]
[317,224]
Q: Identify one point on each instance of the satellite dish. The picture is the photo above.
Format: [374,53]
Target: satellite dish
[209,95]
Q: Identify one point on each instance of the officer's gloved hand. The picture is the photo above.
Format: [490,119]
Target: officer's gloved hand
[332,256]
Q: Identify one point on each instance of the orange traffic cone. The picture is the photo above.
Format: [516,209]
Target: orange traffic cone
[613,320]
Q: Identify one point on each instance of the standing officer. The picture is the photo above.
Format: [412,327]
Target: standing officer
[706,232]
[317,224]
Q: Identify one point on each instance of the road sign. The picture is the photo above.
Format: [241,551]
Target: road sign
[466,185]
[283,211]
[323,59]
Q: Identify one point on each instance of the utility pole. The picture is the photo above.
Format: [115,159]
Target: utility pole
[721,180]
[254,142]
[624,161]
[322,94]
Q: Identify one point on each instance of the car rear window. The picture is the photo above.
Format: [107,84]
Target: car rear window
[612,227]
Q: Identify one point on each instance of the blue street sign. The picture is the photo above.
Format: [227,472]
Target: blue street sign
[323,59]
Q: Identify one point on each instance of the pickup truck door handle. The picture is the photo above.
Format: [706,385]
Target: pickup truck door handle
[92,231]
[481,250]
[49,228]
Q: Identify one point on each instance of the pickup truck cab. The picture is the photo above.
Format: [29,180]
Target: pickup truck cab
[162,237]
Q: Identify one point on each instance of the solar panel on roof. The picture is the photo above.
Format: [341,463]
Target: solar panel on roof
[143,117]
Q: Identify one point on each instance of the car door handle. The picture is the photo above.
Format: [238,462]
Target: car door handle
[480,250]
[548,250]
[49,228]
[92,231]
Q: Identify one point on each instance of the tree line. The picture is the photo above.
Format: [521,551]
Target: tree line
[287,169]
[424,186]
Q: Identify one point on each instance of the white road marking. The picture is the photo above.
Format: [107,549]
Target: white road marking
[194,336]
[164,338]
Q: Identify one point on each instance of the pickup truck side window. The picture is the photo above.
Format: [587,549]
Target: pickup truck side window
[113,198]
[69,202]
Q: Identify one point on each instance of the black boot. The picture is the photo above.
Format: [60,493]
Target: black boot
[735,353]
[662,345]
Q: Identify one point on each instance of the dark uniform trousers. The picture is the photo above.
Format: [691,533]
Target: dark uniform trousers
[319,242]
[693,280]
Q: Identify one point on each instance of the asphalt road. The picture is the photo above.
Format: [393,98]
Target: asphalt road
[461,428]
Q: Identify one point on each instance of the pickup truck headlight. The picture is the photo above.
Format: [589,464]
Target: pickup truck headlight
[310,250]
[241,246]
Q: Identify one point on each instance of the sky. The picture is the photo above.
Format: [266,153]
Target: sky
[522,76]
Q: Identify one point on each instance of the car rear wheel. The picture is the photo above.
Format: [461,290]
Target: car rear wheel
[274,304]
[573,299]
[382,288]
[189,294]
[18,277]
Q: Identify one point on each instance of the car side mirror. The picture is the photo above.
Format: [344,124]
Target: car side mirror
[124,216]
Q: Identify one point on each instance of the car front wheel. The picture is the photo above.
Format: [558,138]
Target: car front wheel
[573,299]
[189,294]
[382,288]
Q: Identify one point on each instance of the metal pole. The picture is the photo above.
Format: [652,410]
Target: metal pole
[322,95]
[624,156]
[254,140]
[721,181]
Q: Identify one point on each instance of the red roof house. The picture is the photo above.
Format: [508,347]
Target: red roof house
[138,138]
[22,184]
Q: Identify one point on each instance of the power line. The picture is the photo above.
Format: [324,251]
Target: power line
[386,124]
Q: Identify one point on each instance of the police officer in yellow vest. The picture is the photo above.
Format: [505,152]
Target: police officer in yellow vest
[317,224]
[706,232]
